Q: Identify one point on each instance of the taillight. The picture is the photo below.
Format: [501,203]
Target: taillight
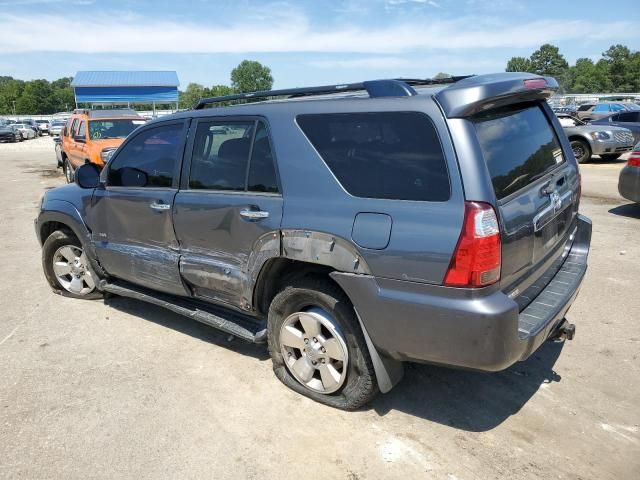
[477,258]
[634,159]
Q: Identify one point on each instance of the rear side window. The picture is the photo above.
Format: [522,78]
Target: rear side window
[518,145]
[389,155]
[602,108]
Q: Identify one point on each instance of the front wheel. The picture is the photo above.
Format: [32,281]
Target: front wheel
[317,346]
[66,266]
[610,157]
[69,172]
[581,150]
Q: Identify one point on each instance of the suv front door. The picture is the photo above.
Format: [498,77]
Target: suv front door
[132,215]
[229,208]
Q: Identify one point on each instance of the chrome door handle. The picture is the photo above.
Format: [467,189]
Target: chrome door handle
[159,206]
[253,214]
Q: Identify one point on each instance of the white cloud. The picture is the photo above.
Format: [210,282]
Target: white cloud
[290,32]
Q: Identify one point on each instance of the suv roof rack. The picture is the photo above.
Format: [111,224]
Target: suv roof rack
[400,87]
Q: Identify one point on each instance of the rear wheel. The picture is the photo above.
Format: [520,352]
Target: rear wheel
[66,266]
[581,150]
[610,156]
[317,346]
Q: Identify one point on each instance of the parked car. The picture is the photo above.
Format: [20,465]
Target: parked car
[43,126]
[26,130]
[629,181]
[56,126]
[32,125]
[8,134]
[337,228]
[90,135]
[57,146]
[604,109]
[628,119]
[586,140]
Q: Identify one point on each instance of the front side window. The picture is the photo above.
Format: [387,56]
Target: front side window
[82,131]
[150,159]
[74,125]
[387,155]
[518,145]
[228,156]
[120,128]
[616,107]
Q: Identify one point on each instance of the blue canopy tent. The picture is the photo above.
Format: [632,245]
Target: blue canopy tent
[126,87]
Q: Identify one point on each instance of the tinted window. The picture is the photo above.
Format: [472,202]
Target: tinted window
[392,155]
[149,159]
[616,107]
[628,117]
[518,145]
[221,155]
[262,171]
[74,125]
[601,108]
[82,131]
[583,108]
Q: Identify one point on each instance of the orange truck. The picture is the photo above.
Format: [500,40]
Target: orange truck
[90,136]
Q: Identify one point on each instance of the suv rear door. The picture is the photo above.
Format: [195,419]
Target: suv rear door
[536,187]
[228,207]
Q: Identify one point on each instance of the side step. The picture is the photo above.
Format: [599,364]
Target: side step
[236,324]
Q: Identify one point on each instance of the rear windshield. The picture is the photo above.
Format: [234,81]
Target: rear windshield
[519,146]
[390,155]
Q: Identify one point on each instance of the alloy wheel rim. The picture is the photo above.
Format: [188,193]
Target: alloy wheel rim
[578,150]
[314,350]
[71,269]
[68,172]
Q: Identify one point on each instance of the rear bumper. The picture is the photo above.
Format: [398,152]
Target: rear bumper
[480,329]
[629,183]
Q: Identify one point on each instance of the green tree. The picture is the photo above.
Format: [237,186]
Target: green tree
[251,76]
[518,64]
[10,91]
[191,95]
[621,68]
[548,61]
[37,97]
[441,76]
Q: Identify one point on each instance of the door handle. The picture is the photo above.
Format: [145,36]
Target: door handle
[159,206]
[253,214]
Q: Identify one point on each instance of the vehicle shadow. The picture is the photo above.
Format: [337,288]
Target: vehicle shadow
[466,400]
[630,210]
[185,325]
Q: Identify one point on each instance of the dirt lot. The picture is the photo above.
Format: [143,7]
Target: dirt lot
[127,390]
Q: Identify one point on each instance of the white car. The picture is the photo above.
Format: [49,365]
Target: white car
[43,125]
[25,130]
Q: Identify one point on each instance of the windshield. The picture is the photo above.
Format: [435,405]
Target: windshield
[102,129]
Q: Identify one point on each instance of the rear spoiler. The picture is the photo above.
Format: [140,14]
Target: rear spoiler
[482,92]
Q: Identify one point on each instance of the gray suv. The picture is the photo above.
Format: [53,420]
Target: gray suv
[351,227]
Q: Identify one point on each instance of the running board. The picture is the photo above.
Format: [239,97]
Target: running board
[236,324]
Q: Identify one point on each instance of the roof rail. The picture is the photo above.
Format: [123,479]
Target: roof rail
[400,87]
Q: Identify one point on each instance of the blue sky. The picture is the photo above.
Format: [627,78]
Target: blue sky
[304,42]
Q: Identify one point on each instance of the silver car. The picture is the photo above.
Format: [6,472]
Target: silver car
[586,140]
[25,130]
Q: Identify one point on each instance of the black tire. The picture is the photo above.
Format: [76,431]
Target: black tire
[360,384]
[57,239]
[581,150]
[610,157]
[68,170]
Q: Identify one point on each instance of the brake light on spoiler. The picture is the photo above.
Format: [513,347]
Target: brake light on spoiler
[477,259]
[535,83]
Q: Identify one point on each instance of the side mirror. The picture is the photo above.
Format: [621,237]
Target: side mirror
[80,138]
[88,176]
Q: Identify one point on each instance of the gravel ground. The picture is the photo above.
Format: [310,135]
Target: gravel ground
[122,389]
